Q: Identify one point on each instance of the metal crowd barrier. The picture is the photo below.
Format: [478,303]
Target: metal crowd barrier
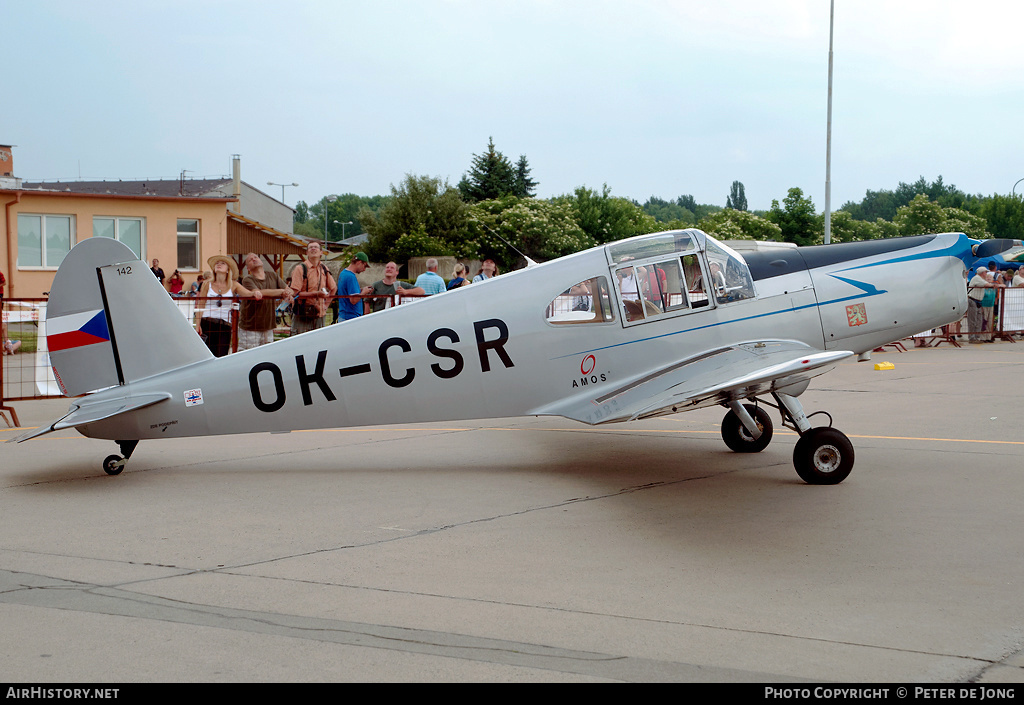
[1009,313]
[26,373]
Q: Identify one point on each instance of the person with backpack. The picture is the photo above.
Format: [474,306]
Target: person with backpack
[313,287]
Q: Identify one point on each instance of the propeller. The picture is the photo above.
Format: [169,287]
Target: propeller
[991,248]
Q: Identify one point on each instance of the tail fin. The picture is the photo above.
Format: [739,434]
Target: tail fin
[109,322]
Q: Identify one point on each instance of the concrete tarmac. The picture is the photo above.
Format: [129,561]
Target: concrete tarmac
[535,549]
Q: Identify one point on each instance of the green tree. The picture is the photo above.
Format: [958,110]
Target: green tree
[301,214]
[845,228]
[309,229]
[796,219]
[923,216]
[418,244]
[491,176]
[731,224]
[542,230]
[522,185]
[737,198]
[669,212]
[344,209]
[1004,216]
[884,204]
[960,221]
[919,217]
[886,228]
[426,211]
[606,218]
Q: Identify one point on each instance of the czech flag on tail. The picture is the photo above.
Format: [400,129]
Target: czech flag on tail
[77,330]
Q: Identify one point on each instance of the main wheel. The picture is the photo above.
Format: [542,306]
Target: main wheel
[738,438]
[823,456]
[110,465]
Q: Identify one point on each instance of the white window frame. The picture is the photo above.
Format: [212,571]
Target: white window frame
[195,237]
[118,219]
[72,236]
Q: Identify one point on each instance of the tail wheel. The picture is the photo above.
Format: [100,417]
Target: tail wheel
[823,456]
[112,465]
[738,438]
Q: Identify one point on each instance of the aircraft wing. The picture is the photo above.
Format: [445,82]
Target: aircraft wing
[86,412]
[711,378]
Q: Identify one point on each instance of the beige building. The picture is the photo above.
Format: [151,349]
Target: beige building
[181,223]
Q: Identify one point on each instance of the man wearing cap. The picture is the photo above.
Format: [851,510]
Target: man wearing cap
[350,305]
[988,303]
[975,315]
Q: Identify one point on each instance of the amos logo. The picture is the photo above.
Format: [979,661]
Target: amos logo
[587,374]
[588,365]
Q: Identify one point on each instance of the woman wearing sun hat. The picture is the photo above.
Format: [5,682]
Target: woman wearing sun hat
[213,320]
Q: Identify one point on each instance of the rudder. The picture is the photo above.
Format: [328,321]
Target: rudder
[109,322]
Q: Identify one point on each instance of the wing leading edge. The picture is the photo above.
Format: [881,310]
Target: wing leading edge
[711,378]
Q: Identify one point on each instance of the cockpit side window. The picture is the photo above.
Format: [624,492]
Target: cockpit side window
[697,294]
[628,281]
[652,288]
[586,302]
[729,276]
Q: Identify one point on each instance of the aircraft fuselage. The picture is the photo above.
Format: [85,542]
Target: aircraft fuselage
[496,349]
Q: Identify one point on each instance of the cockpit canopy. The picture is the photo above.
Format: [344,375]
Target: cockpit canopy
[676,271]
[656,276]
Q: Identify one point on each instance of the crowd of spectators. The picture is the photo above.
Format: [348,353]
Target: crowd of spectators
[311,288]
[981,295]
[309,292]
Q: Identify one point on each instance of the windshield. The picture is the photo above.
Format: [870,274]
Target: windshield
[667,243]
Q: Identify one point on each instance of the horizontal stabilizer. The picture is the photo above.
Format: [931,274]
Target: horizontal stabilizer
[714,377]
[85,413]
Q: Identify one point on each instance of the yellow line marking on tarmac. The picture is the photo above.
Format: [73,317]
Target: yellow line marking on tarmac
[403,429]
[939,440]
[778,433]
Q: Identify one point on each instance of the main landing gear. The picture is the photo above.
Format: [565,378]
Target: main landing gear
[114,464]
[822,456]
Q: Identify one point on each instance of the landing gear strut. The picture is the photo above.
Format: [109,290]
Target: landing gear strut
[114,464]
[822,456]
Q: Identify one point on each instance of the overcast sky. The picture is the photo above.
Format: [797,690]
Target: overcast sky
[651,97]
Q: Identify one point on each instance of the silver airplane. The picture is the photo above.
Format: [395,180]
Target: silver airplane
[653,325]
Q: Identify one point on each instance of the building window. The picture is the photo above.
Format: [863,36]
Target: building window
[130,231]
[188,244]
[43,240]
